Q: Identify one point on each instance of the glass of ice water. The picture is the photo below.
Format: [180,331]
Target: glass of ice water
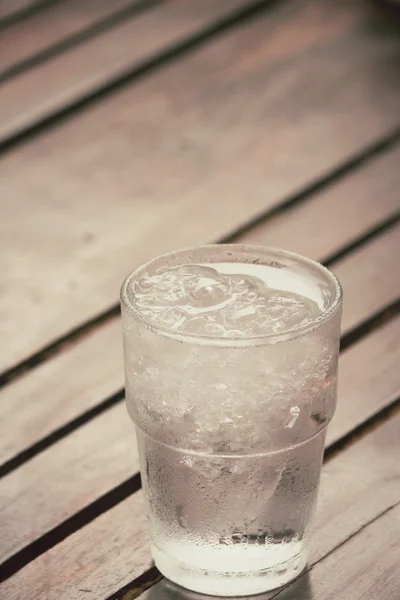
[231,365]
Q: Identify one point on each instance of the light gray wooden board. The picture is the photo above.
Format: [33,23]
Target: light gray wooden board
[113,549]
[60,82]
[92,369]
[119,184]
[364,567]
[56,23]
[102,453]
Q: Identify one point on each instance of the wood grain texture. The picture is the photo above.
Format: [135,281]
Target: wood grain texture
[108,553]
[102,453]
[188,153]
[50,26]
[74,390]
[67,78]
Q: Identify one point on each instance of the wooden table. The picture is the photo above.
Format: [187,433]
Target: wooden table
[127,129]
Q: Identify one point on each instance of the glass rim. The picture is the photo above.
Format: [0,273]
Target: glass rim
[254,340]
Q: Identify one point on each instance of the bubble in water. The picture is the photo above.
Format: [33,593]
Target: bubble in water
[201,300]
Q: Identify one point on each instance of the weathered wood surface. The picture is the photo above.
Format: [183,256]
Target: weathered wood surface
[191,150]
[70,77]
[112,550]
[317,227]
[102,453]
[54,25]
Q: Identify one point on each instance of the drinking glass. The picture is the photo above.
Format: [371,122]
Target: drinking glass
[231,358]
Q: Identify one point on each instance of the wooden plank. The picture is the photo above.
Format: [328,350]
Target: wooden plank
[55,24]
[189,142]
[102,453]
[103,374]
[108,553]
[69,77]
[366,566]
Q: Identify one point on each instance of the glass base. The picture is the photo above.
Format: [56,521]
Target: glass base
[236,581]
